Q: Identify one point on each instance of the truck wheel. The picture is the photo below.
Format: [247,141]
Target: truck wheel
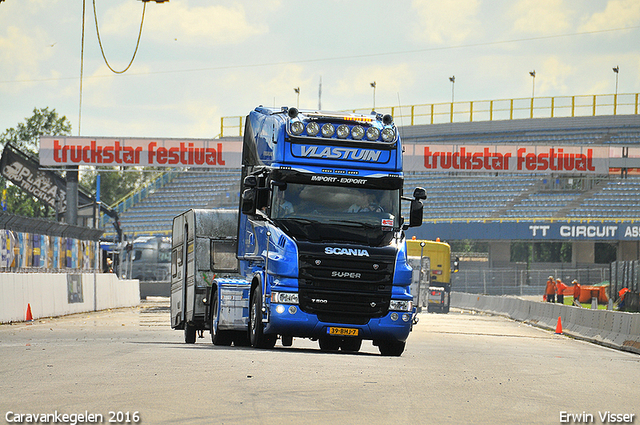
[256,329]
[218,337]
[189,333]
[351,345]
[241,339]
[287,340]
[329,344]
[391,348]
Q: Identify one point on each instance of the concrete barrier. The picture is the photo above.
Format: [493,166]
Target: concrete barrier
[614,329]
[154,289]
[59,294]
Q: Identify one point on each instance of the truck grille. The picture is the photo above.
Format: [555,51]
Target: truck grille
[345,290]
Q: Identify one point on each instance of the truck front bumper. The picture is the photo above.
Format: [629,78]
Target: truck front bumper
[286,319]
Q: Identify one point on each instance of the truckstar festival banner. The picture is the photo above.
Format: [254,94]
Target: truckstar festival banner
[508,159]
[121,152]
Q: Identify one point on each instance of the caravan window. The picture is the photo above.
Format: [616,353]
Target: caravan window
[223,256]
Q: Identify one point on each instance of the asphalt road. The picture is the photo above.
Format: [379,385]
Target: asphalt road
[457,368]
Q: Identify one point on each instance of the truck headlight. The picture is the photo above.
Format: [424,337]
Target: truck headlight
[357,132]
[343,131]
[401,305]
[328,130]
[284,297]
[373,133]
[388,134]
[297,128]
[313,129]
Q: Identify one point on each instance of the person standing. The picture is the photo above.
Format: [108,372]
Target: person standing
[576,293]
[550,291]
[560,287]
[621,295]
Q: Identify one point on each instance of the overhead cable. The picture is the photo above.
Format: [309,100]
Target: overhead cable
[95,15]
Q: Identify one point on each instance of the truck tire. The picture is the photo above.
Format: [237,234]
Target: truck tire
[218,337]
[241,339]
[328,343]
[391,348]
[351,345]
[189,333]
[256,329]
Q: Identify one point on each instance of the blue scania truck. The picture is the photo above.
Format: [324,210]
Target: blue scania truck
[316,248]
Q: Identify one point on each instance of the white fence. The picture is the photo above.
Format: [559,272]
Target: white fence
[59,294]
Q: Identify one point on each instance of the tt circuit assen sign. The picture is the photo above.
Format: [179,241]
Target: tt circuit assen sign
[121,152]
[508,158]
[521,230]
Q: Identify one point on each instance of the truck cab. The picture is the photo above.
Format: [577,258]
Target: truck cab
[321,229]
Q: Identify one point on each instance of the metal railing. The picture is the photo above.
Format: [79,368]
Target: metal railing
[514,281]
[488,110]
[141,193]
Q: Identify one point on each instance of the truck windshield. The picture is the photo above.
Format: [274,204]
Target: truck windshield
[355,214]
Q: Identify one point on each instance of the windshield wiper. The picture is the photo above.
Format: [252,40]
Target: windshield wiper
[300,220]
[357,223]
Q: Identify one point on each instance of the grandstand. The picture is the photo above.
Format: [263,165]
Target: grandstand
[154,214]
[454,195]
[530,196]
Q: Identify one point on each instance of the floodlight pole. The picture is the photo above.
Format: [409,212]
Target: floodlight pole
[453,84]
[616,70]
[374,95]
[533,90]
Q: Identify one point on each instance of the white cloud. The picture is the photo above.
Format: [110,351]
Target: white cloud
[451,21]
[391,81]
[618,13]
[554,77]
[540,16]
[280,86]
[22,51]
[203,25]
[203,116]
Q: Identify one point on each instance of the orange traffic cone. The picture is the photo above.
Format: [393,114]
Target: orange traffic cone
[559,327]
[29,317]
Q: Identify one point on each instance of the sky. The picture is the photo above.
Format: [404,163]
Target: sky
[200,60]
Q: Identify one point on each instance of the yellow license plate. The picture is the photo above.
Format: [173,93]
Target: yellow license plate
[343,331]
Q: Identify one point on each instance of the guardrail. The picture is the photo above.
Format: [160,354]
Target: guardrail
[488,110]
[614,329]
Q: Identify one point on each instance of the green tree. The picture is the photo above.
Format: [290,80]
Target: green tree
[115,183]
[469,245]
[26,136]
[43,122]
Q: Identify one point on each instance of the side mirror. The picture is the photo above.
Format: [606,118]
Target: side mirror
[249,201]
[281,185]
[456,264]
[250,182]
[419,193]
[415,213]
